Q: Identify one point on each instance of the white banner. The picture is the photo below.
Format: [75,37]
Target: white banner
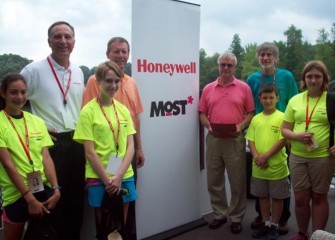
[165,64]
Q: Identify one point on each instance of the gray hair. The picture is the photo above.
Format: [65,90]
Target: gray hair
[268,46]
[229,55]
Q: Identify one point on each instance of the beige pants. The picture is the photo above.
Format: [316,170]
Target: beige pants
[226,154]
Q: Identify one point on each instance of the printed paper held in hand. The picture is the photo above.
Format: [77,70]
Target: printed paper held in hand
[113,164]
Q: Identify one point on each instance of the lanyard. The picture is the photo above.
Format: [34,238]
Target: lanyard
[116,138]
[308,118]
[26,146]
[273,81]
[58,82]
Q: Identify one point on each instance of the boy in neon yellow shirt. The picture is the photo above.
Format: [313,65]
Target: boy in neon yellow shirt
[269,169]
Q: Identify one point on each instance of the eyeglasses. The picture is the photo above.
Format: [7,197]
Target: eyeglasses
[228,65]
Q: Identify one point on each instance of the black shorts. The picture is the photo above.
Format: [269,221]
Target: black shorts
[17,212]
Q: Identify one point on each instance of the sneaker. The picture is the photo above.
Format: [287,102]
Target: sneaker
[261,232]
[273,233]
[300,236]
[256,223]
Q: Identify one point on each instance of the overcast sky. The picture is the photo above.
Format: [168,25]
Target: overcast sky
[24,23]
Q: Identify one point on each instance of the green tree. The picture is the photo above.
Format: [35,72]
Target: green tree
[281,63]
[294,56]
[332,44]
[250,61]
[238,51]
[12,63]
[208,68]
[309,52]
[323,49]
[93,70]
[202,67]
[127,69]
[86,72]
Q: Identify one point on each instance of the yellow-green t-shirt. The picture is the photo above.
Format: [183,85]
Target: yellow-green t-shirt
[296,113]
[265,131]
[38,138]
[93,126]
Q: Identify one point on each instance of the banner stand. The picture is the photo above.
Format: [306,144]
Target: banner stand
[165,65]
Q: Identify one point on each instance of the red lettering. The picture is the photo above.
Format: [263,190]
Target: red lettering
[169,68]
[166,68]
[187,68]
[141,65]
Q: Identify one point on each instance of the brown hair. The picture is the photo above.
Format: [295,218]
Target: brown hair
[320,66]
[268,88]
[6,81]
[116,39]
[104,67]
[56,24]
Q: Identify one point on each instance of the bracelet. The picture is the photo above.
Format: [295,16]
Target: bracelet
[56,187]
[25,193]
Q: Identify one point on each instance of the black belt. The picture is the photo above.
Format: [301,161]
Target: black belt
[63,135]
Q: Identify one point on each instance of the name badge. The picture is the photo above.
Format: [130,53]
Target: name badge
[35,182]
[114,164]
[311,145]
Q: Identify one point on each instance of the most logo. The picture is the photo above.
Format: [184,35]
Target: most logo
[170,108]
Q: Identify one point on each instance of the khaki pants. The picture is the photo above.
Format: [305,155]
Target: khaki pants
[226,154]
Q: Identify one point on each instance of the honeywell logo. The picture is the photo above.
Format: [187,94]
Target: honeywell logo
[170,68]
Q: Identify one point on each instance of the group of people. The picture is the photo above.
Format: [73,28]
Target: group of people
[77,138]
[74,138]
[288,137]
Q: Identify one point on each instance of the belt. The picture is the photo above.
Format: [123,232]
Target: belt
[63,135]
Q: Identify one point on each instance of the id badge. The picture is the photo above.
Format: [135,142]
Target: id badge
[35,182]
[311,145]
[114,164]
[67,118]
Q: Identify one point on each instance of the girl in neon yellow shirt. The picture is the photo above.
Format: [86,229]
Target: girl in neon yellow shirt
[28,177]
[106,129]
[312,161]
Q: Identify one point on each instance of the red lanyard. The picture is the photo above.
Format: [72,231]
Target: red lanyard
[273,81]
[308,118]
[116,138]
[58,82]
[26,146]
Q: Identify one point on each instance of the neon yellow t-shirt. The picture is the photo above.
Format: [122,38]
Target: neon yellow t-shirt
[38,138]
[93,126]
[265,131]
[319,125]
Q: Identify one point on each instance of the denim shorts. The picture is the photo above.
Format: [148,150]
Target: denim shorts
[96,192]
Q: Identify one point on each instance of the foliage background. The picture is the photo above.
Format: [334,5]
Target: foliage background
[293,55]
